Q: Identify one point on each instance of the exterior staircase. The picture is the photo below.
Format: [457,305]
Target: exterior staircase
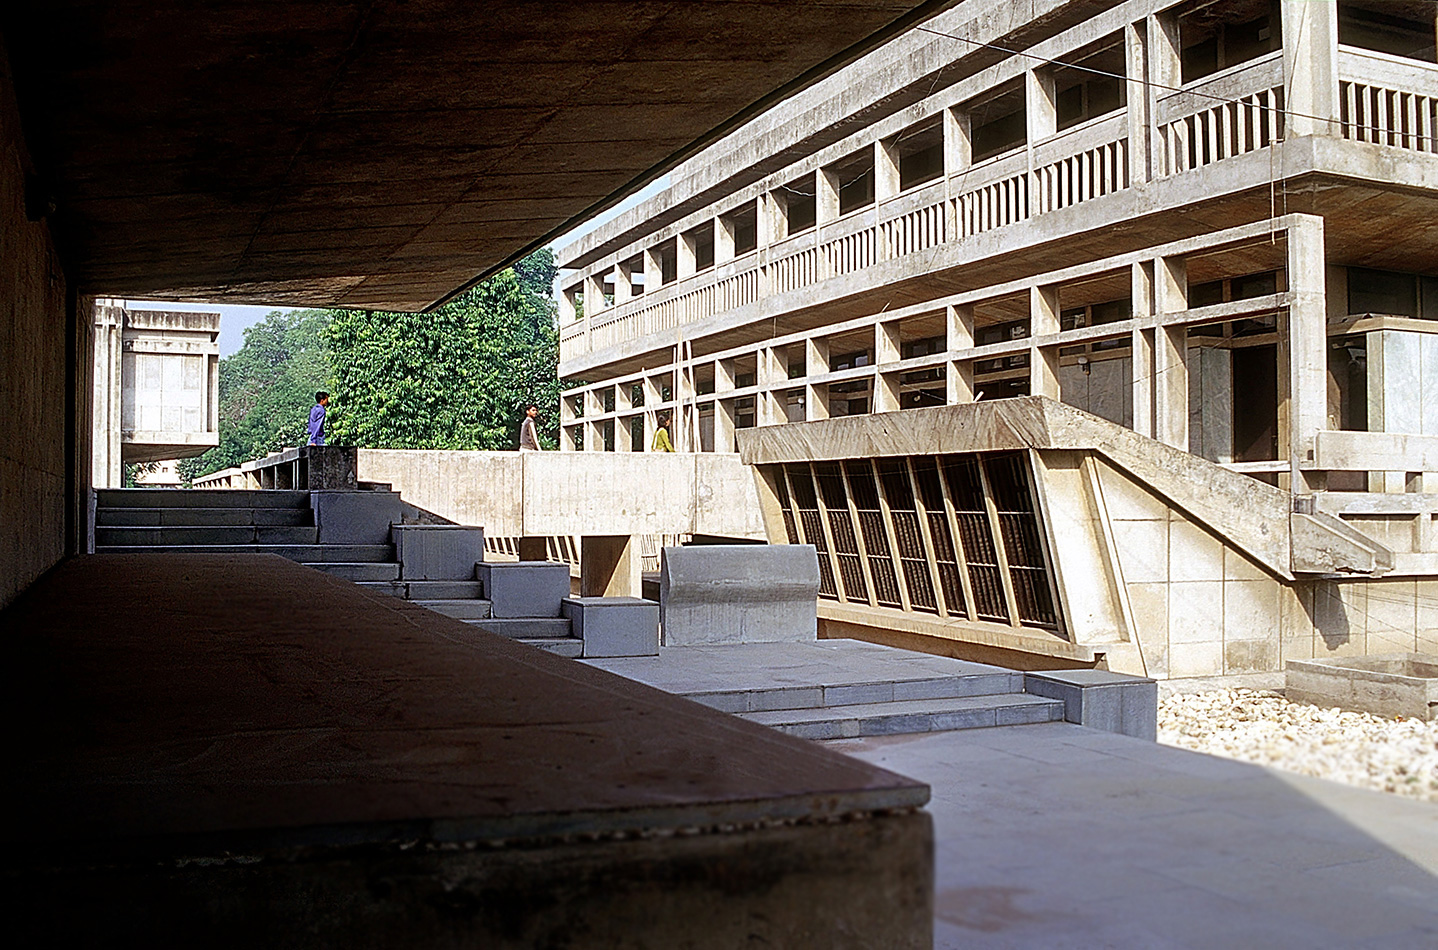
[270,521]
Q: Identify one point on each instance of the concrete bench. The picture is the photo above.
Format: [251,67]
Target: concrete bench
[437,552]
[524,588]
[614,626]
[1112,702]
[738,593]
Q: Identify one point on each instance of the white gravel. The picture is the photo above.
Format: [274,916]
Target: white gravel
[1391,755]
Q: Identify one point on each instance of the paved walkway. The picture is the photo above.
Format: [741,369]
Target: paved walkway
[1057,836]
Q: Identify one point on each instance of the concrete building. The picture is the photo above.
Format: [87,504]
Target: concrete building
[1209,224]
[157,387]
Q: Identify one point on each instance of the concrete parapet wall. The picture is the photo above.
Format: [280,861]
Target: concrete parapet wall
[738,594]
[514,494]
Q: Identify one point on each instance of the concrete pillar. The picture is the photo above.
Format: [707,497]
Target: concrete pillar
[826,207]
[1039,105]
[958,141]
[610,566]
[1135,43]
[567,310]
[770,226]
[886,352]
[886,169]
[1141,361]
[724,413]
[958,337]
[1043,360]
[723,240]
[593,294]
[1303,351]
[622,291]
[1170,355]
[1165,73]
[685,247]
[593,437]
[1310,66]
[653,270]
[770,374]
[107,469]
[533,549]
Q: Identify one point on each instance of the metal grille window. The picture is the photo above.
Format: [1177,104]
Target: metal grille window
[835,499]
[908,533]
[957,535]
[865,498]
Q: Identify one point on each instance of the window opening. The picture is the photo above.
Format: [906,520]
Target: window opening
[801,209]
[668,254]
[806,503]
[998,123]
[871,526]
[830,479]
[855,177]
[1389,26]
[743,224]
[1023,544]
[972,517]
[931,493]
[1223,33]
[920,153]
[908,535]
[1081,94]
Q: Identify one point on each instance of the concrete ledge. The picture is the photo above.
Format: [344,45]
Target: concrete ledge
[437,552]
[738,593]
[355,517]
[186,776]
[1112,702]
[1397,684]
[614,626]
[524,588]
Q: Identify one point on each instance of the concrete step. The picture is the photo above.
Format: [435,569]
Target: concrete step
[200,498]
[206,534]
[895,687]
[376,576]
[433,590]
[564,646]
[304,553]
[166,517]
[525,628]
[471,609]
[911,716]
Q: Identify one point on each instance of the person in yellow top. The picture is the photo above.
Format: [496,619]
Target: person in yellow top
[661,437]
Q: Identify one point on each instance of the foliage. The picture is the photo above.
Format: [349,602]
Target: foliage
[267,388]
[458,377]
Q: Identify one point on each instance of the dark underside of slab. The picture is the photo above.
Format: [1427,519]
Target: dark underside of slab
[253,747]
[381,154]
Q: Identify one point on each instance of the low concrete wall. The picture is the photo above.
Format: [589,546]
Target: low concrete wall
[544,494]
[738,594]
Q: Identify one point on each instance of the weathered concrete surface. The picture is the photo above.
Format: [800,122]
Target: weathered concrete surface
[356,517]
[1099,699]
[33,360]
[387,157]
[437,552]
[1396,684]
[524,588]
[513,494]
[614,626]
[240,751]
[738,593]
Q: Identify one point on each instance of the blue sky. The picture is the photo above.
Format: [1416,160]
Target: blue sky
[235,318]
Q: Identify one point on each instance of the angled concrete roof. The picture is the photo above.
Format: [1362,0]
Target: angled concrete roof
[382,154]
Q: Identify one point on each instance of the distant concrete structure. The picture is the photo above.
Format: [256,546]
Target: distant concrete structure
[1208,223]
[157,387]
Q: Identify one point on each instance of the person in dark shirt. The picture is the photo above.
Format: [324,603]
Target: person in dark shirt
[317,418]
[528,434]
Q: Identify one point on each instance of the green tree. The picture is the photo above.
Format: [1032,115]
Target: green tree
[267,388]
[458,377]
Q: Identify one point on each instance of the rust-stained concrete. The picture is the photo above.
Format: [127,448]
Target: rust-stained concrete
[261,747]
[382,154]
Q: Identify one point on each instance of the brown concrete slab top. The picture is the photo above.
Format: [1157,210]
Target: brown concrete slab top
[381,154]
[181,704]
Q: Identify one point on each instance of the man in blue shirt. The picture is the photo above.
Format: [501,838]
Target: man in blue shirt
[317,418]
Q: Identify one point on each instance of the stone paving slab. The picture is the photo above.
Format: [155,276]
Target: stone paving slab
[816,665]
[1059,836]
[926,715]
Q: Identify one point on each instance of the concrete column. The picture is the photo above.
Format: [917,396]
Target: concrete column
[1135,43]
[1310,66]
[826,207]
[770,226]
[610,566]
[1165,73]
[816,356]
[886,352]
[1043,360]
[107,470]
[886,169]
[769,373]
[1303,351]
[958,142]
[593,294]
[622,291]
[653,270]
[723,240]
[567,312]
[724,413]
[959,336]
[816,402]
[1141,352]
[1170,355]
[687,261]
[593,406]
[1039,104]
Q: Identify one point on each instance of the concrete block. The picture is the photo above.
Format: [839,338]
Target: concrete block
[332,467]
[355,517]
[434,552]
[1102,700]
[524,588]
[1398,684]
[614,626]
[740,593]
